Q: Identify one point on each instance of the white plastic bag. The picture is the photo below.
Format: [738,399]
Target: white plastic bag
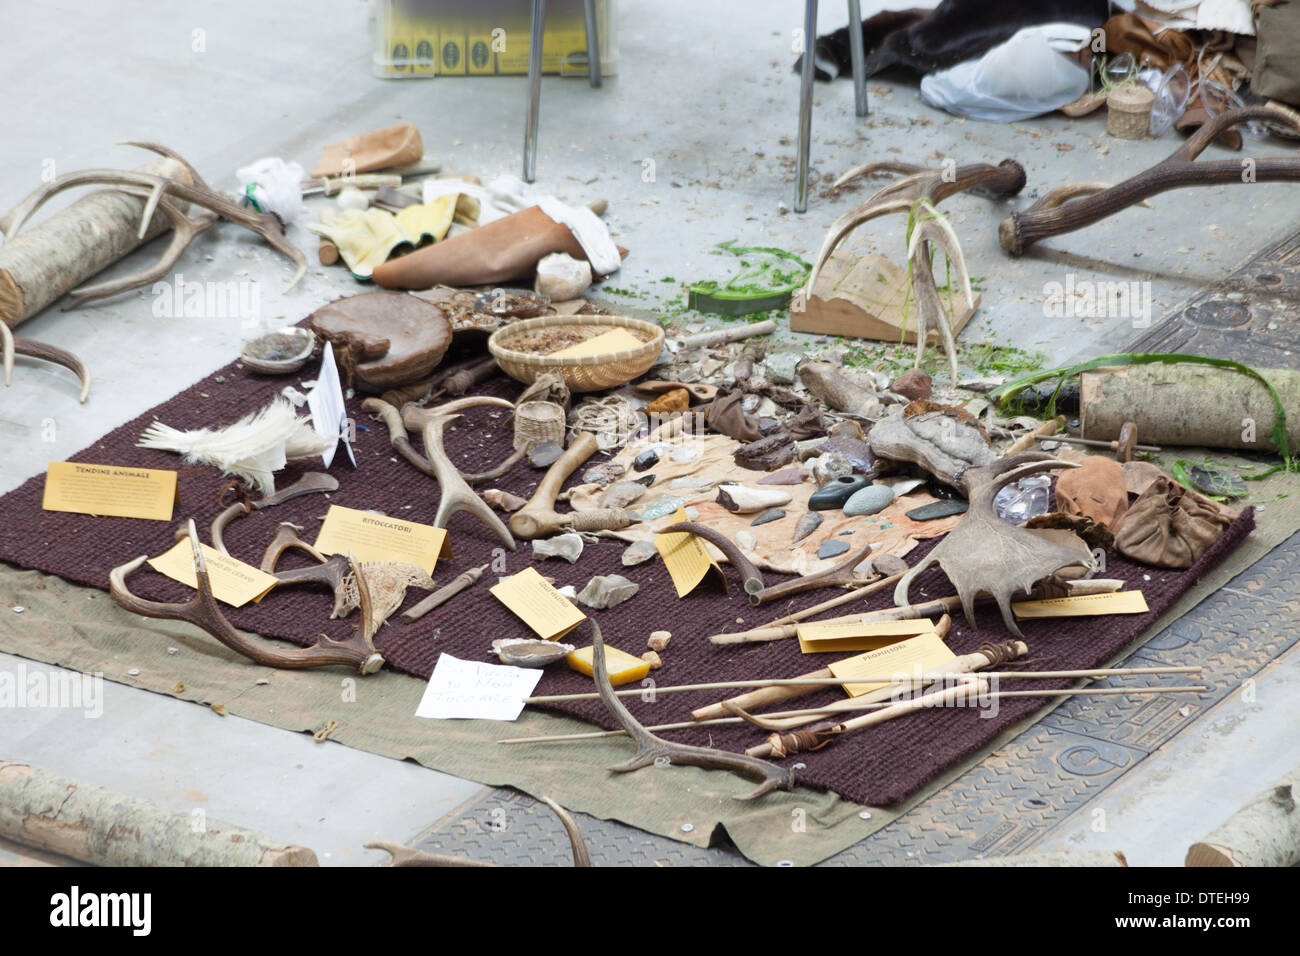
[273,186]
[1026,76]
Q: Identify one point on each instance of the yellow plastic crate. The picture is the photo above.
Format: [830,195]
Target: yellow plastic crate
[420,38]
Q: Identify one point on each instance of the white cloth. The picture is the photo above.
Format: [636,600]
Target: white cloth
[1026,76]
[1231,15]
[276,186]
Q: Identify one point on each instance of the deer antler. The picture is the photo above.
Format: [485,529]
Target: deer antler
[454,494]
[202,611]
[986,555]
[1058,212]
[157,188]
[927,188]
[10,346]
[651,749]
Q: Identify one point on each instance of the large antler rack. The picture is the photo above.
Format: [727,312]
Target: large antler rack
[920,188]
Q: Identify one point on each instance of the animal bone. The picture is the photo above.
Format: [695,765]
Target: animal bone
[986,555]
[830,385]
[158,189]
[310,483]
[203,612]
[741,499]
[922,189]
[455,494]
[11,346]
[945,442]
[444,594]
[839,576]
[539,518]
[1060,212]
[650,750]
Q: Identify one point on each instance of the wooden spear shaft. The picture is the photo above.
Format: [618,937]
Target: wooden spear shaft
[907,612]
[855,704]
[927,676]
[766,696]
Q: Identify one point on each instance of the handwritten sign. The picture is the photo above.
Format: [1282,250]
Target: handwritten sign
[111,490]
[373,537]
[477,691]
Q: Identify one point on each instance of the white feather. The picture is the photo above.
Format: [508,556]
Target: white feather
[252,449]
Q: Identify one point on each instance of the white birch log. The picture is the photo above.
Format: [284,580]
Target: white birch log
[1265,832]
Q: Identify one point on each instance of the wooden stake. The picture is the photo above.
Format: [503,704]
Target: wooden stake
[908,612]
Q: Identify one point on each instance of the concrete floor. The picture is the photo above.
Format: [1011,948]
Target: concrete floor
[705,97]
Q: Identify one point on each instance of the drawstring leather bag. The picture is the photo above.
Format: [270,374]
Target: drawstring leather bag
[1169,526]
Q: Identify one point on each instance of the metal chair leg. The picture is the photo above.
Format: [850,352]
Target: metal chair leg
[593,43]
[534,89]
[805,104]
[857,56]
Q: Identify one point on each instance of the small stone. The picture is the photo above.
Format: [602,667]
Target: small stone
[786,476]
[746,540]
[663,505]
[621,494]
[606,591]
[568,591]
[567,546]
[938,509]
[651,658]
[687,482]
[829,466]
[869,500]
[659,640]
[693,513]
[18,609]
[603,474]
[766,454]
[647,459]
[806,526]
[830,549]
[646,480]
[684,455]
[503,500]
[780,367]
[545,454]
[134,672]
[771,514]
[913,384]
[835,493]
[639,552]
[887,564]
[674,400]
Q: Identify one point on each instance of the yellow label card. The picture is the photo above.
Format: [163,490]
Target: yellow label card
[112,490]
[686,557]
[1083,605]
[372,537]
[916,655]
[616,340]
[233,582]
[548,612]
[856,635]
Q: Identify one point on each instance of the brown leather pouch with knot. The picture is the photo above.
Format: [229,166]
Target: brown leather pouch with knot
[1170,526]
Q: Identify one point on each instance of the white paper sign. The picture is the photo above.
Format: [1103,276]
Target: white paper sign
[329,417]
[471,689]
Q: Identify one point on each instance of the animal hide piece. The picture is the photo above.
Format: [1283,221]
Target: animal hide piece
[1096,490]
[1170,526]
[252,449]
[957,30]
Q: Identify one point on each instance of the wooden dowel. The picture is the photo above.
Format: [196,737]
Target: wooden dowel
[927,676]
[908,612]
[858,704]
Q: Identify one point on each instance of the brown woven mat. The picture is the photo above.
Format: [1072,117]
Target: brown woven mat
[877,768]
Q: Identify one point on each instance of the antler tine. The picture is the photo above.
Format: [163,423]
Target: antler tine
[184,231]
[937,231]
[579,846]
[883,166]
[651,749]
[844,225]
[170,153]
[905,582]
[11,345]
[203,612]
[286,537]
[1207,133]
[455,494]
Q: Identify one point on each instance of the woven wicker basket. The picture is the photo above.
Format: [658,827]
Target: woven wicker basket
[1128,111]
[586,373]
